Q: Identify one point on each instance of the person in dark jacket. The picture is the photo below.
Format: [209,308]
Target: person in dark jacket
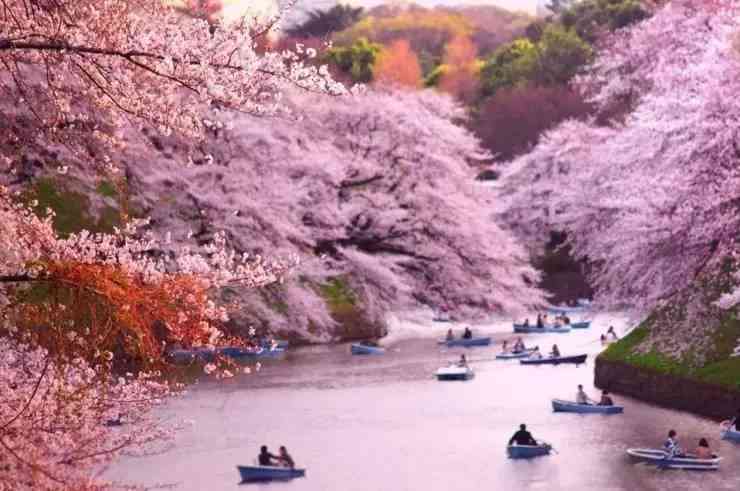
[265,457]
[523,437]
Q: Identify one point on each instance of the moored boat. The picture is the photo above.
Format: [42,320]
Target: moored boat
[664,460]
[240,352]
[364,349]
[514,355]
[466,342]
[559,405]
[191,355]
[528,451]
[268,473]
[553,360]
[454,372]
[521,328]
[275,343]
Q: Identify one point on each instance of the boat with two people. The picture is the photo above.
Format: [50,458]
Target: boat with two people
[585,405]
[523,445]
[467,340]
[671,456]
[555,358]
[730,429]
[271,467]
[519,350]
[455,371]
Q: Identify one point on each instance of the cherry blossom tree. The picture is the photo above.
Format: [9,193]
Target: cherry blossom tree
[83,68]
[376,190]
[653,198]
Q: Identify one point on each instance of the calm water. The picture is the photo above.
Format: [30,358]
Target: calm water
[384,423]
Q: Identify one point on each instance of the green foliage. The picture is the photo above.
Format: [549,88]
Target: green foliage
[561,54]
[552,60]
[512,64]
[72,209]
[107,189]
[432,80]
[356,60]
[620,350]
[338,295]
[726,372]
[590,17]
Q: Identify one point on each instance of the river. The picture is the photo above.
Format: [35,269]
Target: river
[384,423]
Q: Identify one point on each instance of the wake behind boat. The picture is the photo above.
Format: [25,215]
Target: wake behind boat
[268,473]
[664,460]
[555,360]
[559,405]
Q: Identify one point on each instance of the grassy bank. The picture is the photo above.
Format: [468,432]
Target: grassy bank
[719,369]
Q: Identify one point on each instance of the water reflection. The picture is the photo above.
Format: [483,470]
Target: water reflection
[384,423]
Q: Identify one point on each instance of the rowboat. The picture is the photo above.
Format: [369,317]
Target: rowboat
[577,359]
[580,325]
[559,405]
[454,372]
[662,459]
[528,451]
[521,328]
[268,473]
[250,353]
[465,342]
[191,355]
[275,343]
[513,355]
[363,349]
[728,433]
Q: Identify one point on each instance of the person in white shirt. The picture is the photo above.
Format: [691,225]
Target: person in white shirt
[582,397]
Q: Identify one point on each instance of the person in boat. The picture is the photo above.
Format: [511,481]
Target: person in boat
[505,346]
[540,323]
[703,451]
[468,334]
[519,346]
[285,459]
[535,354]
[565,319]
[523,437]
[265,457]
[463,363]
[735,422]
[612,332]
[555,351]
[671,445]
[450,336]
[582,397]
[605,399]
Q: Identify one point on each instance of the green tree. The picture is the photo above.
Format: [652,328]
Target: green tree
[512,64]
[561,53]
[590,18]
[356,60]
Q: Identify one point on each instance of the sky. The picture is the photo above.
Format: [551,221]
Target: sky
[260,7]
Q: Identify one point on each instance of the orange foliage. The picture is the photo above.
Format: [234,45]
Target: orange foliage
[460,77]
[398,65]
[100,312]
